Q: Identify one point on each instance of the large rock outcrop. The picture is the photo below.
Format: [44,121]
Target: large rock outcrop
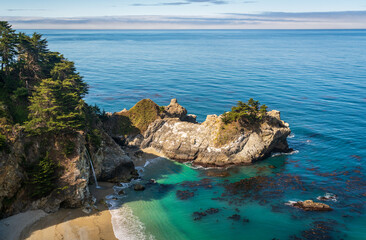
[73,172]
[212,143]
[111,163]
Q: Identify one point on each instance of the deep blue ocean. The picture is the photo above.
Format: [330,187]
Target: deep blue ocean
[316,78]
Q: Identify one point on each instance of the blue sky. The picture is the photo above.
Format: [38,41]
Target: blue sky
[152,14]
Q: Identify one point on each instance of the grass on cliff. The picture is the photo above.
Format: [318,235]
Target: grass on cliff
[228,133]
[144,113]
[137,119]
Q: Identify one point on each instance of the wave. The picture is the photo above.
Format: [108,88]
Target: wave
[127,226]
[328,197]
[280,153]
[292,135]
[290,203]
[190,165]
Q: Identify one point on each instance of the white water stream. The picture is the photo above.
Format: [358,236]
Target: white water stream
[92,167]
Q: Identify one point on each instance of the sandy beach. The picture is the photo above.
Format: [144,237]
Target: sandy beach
[68,223]
[64,224]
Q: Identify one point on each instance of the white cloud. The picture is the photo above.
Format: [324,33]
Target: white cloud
[268,20]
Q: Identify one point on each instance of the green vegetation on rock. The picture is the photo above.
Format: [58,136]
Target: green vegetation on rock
[40,89]
[42,177]
[242,116]
[245,113]
[144,113]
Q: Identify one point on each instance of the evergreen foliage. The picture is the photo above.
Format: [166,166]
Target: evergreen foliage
[8,41]
[56,104]
[41,89]
[42,177]
[246,113]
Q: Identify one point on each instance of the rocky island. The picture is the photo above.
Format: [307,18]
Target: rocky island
[176,135]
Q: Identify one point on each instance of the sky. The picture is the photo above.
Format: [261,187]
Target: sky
[184,14]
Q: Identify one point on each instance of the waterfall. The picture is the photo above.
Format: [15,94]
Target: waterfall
[92,167]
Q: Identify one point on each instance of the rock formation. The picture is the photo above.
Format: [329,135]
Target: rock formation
[310,205]
[211,143]
[72,177]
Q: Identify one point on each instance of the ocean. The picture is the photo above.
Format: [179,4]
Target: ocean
[316,78]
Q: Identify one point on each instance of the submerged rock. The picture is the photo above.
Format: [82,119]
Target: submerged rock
[328,197]
[184,195]
[200,215]
[235,217]
[310,205]
[139,187]
[222,174]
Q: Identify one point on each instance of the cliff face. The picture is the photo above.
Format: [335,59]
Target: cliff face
[71,177]
[211,143]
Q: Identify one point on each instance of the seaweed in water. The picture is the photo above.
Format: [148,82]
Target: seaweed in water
[199,215]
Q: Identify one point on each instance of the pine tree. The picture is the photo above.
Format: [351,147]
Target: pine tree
[57,104]
[42,177]
[32,60]
[8,41]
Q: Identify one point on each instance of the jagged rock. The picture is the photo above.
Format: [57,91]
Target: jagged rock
[310,205]
[175,110]
[138,153]
[139,187]
[153,181]
[185,141]
[71,188]
[121,192]
[111,163]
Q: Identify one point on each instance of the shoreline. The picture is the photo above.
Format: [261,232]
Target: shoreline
[69,223]
[65,223]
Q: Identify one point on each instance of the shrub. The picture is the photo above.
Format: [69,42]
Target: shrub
[95,138]
[68,148]
[245,113]
[42,177]
[162,109]
[20,93]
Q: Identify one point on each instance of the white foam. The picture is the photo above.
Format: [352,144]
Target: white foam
[148,162]
[190,165]
[290,203]
[127,226]
[279,154]
[292,135]
[328,197]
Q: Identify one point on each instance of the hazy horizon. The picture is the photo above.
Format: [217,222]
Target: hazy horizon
[185,14]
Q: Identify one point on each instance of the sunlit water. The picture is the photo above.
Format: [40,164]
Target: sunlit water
[317,79]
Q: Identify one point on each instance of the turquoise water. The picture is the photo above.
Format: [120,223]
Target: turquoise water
[317,79]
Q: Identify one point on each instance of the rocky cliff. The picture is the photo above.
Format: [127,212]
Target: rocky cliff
[72,176]
[211,143]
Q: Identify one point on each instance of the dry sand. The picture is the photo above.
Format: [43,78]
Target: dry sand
[72,224]
[151,152]
[65,224]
